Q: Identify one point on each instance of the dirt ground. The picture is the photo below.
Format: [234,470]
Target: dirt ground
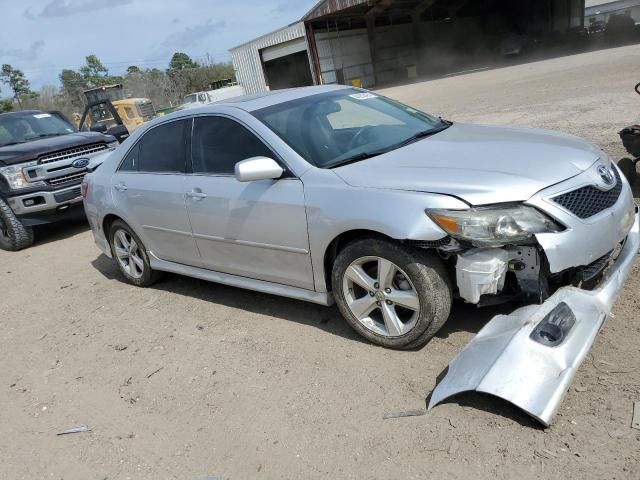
[191,380]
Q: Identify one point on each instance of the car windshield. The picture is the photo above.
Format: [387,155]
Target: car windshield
[23,128]
[191,98]
[343,126]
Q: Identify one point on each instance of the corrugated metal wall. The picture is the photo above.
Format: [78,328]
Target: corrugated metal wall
[247,62]
[347,55]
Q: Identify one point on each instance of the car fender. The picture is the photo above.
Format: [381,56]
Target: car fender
[333,208]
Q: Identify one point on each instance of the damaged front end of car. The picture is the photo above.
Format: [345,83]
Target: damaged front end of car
[566,253]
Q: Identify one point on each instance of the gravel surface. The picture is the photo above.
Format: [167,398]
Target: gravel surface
[190,379]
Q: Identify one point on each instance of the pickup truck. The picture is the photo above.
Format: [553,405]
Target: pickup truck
[43,160]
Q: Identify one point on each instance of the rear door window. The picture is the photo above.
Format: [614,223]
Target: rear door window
[160,150]
[219,143]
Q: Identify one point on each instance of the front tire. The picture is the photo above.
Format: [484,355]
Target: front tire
[14,235]
[393,296]
[131,256]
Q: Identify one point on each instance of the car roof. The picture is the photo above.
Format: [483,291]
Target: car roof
[251,103]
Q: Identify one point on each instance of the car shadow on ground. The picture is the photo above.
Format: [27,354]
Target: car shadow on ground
[467,318]
[470,318]
[490,404]
[324,318]
[53,232]
[464,318]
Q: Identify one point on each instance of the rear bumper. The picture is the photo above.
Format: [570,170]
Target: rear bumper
[508,360]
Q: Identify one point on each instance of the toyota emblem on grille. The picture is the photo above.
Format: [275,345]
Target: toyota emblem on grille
[80,163]
[606,175]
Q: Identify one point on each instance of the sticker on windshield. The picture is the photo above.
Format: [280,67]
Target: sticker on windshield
[363,96]
[42,115]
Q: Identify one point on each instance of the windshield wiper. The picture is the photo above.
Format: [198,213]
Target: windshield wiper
[423,134]
[357,158]
[47,135]
[11,143]
[413,138]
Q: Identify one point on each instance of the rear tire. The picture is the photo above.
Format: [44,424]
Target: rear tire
[393,296]
[131,256]
[628,168]
[14,235]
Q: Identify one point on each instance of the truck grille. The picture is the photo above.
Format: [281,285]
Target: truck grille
[68,195]
[588,201]
[71,153]
[72,177]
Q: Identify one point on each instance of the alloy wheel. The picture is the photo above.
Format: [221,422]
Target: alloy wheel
[128,253]
[381,296]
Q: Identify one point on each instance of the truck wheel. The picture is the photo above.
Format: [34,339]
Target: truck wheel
[14,235]
[130,255]
[393,296]
[628,168]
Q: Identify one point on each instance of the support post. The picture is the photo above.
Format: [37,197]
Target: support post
[370,19]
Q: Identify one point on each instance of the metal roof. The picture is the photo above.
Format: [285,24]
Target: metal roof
[327,7]
[597,3]
[594,6]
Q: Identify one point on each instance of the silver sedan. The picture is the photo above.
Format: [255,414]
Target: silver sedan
[338,194]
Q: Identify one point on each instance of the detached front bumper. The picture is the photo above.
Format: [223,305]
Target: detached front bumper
[530,357]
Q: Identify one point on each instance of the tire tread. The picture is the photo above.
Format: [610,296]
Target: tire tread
[20,236]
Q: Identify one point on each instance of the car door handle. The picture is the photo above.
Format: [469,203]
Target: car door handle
[196,194]
[121,187]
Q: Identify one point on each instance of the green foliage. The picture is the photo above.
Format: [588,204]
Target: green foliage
[17,82]
[72,87]
[164,88]
[95,74]
[6,105]
[181,61]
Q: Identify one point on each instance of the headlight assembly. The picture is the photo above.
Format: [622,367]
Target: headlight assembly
[16,178]
[494,226]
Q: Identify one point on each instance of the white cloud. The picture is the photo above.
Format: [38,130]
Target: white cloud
[64,8]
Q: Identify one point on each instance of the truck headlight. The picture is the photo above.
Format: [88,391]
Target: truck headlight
[16,178]
[494,226]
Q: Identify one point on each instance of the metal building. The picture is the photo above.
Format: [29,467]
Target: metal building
[602,10]
[376,42]
[277,60]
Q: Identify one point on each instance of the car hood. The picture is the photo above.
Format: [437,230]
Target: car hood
[479,164]
[26,152]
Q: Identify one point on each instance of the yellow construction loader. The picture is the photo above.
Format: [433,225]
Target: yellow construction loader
[109,111]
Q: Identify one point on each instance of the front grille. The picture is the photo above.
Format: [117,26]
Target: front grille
[68,195]
[71,153]
[72,177]
[594,269]
[443,242]
[146,110]
[588,201]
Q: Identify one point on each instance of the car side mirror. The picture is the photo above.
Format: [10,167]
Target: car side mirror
[258,168]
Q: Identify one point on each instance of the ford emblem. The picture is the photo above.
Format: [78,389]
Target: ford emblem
[80,163]
[606,175]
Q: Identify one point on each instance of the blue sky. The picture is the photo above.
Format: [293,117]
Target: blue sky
[41,37]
